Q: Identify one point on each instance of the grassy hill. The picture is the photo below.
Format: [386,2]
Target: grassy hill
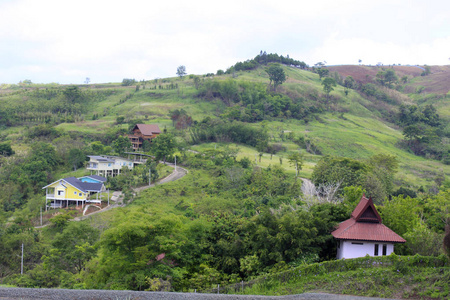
[351,125]
[238,213]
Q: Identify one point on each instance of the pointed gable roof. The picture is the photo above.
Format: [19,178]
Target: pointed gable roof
[148,129]
[365,225]
[365,211]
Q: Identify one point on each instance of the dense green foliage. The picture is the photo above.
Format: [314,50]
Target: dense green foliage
[376,175]
[263,59]
[423,131]
[252,102]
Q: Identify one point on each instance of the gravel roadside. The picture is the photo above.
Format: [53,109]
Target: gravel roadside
[28,294]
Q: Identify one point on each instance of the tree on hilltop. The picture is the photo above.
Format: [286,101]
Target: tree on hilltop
[276,75]
[181,71]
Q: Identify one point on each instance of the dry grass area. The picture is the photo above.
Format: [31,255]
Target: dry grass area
[437,82]
[362,74]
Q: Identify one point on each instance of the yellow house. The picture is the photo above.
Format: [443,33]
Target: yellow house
[72,190]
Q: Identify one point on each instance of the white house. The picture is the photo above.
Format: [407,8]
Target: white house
[105,165]
[364,234]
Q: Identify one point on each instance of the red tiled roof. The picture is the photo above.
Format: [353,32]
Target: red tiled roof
[365,231]
[148,129]
[365,225]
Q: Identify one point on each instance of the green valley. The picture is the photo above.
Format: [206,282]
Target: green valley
[248,141]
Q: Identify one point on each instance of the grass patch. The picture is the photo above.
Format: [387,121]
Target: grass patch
[406,277]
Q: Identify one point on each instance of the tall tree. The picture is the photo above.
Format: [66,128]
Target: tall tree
[349,83]
[121,144]
[296,159]
[77,158]
[276,75]
[323,72]
[164,145]
[181,71]
[328,85]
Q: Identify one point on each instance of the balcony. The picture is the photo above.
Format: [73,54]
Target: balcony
[92,166]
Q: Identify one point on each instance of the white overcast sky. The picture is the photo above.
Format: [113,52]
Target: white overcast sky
[66,41]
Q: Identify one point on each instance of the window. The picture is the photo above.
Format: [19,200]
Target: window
[384,249]
[75,193]
[376,250]
[355,243]
[60,193]
[79,194]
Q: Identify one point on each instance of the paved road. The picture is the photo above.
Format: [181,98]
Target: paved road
[28,294]
[175,175]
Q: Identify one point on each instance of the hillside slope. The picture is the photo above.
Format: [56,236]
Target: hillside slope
[349,125]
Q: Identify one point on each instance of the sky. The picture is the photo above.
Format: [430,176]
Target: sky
[66,41]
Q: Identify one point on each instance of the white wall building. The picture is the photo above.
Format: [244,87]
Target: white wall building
[106,166]
[364,234]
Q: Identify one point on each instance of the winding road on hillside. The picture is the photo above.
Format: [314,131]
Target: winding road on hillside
[177,173]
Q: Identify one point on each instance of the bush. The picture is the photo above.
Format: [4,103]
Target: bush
[128,81]
[5,149]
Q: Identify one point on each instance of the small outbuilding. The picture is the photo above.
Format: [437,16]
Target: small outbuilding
[364,233]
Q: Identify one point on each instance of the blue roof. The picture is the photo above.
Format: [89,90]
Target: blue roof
[84,186]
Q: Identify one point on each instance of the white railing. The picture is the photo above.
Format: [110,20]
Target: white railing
[55,205]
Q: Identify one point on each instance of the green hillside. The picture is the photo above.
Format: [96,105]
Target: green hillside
[240,212]
[347,125]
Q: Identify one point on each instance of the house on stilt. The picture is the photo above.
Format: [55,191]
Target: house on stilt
[72,190]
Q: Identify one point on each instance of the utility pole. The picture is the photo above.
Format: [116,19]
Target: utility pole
[149,176]
[40,208]
[21,264]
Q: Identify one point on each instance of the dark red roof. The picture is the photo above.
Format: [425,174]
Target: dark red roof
[148,129]
[365,225]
